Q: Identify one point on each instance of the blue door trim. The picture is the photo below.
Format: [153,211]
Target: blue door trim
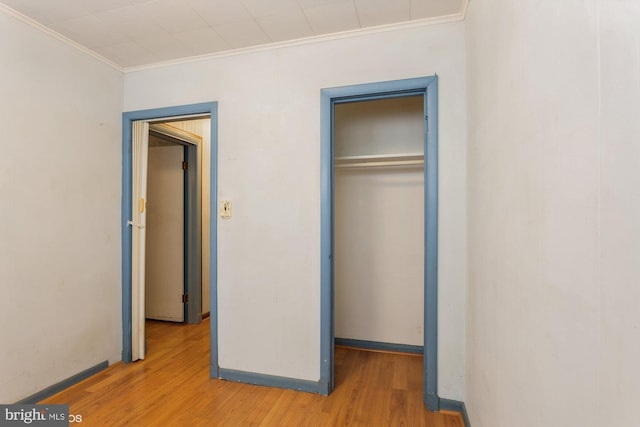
[208,108]
[428,87]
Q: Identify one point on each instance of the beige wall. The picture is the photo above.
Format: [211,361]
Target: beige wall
[60,193]
[554,236]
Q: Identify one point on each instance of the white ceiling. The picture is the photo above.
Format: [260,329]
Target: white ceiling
[133,33]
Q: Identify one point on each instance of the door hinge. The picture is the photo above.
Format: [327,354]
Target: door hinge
[185,165]
[426,123]
[185,298]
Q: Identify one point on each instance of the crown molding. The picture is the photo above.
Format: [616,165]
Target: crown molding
[308,40]
[38,26]
[463,9]
[460,16]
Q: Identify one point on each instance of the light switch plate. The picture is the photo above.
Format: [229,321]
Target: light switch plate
[225,209]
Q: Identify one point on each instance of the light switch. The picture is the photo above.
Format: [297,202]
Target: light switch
[225,209]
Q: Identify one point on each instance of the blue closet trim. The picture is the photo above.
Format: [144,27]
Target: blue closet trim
[428,87]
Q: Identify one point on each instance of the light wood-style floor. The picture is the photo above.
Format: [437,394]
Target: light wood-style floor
[171,387]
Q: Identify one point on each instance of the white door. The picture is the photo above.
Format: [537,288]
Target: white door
[165,234]
[140,140]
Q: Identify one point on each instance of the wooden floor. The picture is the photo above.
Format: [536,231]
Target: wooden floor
[171,387]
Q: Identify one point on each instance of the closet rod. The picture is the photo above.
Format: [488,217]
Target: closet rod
[380,164]
[377,160]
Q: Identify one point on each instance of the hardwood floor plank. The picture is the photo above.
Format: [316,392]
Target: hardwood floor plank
[171,387]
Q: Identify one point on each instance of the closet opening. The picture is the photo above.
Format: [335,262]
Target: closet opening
[378,231]
[379,207]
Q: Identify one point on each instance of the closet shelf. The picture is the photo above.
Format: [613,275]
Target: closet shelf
[377,160]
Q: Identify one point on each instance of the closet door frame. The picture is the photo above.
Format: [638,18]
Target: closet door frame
[428,88]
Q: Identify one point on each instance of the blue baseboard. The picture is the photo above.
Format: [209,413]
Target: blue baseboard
[432,402]
[383,346]
[324,388]
[454,405]
[270,380]
[66,383]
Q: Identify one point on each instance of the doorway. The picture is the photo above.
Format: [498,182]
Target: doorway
[187,229]
[173,267]
[169,114]
[427,88]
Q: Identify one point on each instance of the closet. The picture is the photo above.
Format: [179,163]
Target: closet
[379,221]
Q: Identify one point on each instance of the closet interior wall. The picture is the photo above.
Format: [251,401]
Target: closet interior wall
[379,220]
